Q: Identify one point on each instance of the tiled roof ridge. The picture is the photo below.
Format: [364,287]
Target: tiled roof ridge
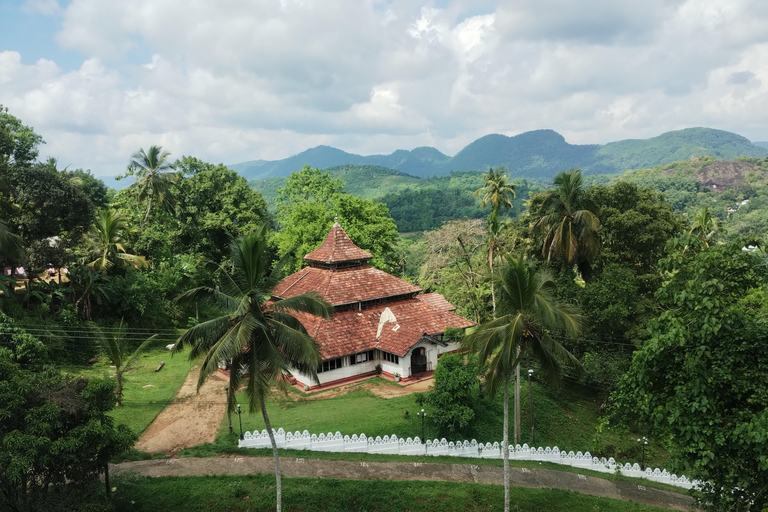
[302,276]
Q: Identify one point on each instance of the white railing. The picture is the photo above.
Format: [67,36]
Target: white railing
[413,446]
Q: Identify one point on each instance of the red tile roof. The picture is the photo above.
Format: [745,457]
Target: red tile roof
[352,331]
[337,247]
[344,286]
[437,301]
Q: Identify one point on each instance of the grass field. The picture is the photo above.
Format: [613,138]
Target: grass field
[566,418]
[256,493]
[145,392]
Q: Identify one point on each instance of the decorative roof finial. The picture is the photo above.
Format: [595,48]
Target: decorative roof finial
[336,221]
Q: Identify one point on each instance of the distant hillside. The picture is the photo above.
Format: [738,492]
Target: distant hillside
[537,154]
[368,181]
[735,191]
[416,204]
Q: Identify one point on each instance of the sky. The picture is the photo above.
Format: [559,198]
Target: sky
[231,80]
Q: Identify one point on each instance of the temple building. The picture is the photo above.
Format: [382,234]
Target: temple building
[378,319]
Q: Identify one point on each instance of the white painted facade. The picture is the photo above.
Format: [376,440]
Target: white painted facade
[402,367]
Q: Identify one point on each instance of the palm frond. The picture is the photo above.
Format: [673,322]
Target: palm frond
[304,303]
[210,296]
[202,336]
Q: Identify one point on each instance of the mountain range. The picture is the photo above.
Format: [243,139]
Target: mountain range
[538,154]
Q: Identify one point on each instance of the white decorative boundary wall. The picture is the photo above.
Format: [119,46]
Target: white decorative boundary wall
[398,446]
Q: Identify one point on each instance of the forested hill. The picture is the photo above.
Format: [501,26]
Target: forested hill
[416,204]
[537,154]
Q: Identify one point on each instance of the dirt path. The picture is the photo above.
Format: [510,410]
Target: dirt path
[318,468]
[192,418]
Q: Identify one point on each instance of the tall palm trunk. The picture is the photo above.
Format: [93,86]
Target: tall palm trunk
[517,399]
[505,446]
[119,390]
[278,479]
[493,291]
[146,215]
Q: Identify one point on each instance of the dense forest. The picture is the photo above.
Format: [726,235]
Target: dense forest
[663,267]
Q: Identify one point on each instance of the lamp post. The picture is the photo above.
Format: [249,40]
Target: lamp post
[422,415]
[530,400]
[239,415]
[644,442]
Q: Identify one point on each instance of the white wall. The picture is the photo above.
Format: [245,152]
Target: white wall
[345,371]
[404,362]
[331,442]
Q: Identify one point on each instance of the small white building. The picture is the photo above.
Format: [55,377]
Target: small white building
[380,322]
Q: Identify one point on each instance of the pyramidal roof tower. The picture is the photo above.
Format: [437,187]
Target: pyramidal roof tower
[336,249]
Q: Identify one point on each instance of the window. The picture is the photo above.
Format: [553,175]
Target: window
[392,358]
[362,357]
[330,364]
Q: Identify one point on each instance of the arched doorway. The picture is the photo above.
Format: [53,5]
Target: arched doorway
[419,361]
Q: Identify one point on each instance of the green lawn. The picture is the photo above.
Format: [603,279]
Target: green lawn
[566,418]
[256,492]
[145,392]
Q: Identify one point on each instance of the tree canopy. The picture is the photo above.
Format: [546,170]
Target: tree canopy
[700,379]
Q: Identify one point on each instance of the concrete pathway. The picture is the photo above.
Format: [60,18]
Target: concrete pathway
[319,468]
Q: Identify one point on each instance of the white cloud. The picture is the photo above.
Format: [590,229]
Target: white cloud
[237,80]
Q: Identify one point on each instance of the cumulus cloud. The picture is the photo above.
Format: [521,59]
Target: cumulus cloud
[231,81]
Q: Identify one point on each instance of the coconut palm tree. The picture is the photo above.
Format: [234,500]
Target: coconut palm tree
[10,243]
[529,313]
[261,338]
[154,178]
[499,194]
[496,190]
[570,222]
[705,226]
[115,344]
[105,241]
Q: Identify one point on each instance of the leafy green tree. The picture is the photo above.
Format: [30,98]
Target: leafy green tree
[307,185]
[569,221]
[120,351]
[95,189]
[215,205]
[454,265]
[530,312]
[154,178]
[699,380]
[105,241]
[55,434]
[18,143]
[262,340]
[635,224]
[304,227]
[454,395]
[49,212]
